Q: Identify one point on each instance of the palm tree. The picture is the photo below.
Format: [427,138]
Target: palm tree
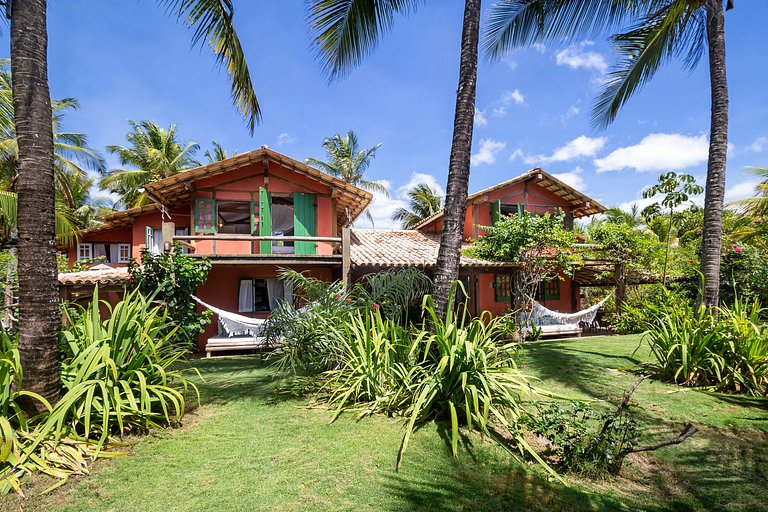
[756,206]
[217,153]
[632,217]
[660,30]
[348,162]
[424,201]
[38,284]
[345,32]
[154,153]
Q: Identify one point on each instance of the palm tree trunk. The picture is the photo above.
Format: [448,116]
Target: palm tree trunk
[38,295]
[718,147]
[666,253]
[447,267]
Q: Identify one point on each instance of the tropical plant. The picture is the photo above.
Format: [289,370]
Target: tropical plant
[348,162]
[424,201]
[632,217]
[170,279]
[154,153]
[676,189]
[212,24]
[393,291]
[217,153]
[658,31]
[120,374]
[345,33]
[728,352]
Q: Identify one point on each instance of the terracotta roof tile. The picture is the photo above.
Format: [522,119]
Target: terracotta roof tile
[111,276]
[404,248]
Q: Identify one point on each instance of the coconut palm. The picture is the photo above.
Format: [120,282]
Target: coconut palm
[632,217]
[348,162]
[345,32]
[212,26]
[153,153]
[217,153]
[424,201]
[659,30]
[756,206]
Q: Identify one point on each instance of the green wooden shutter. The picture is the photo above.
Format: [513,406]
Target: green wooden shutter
[204,216]
[265,220]
[495,212]
[304,221]
[520,209]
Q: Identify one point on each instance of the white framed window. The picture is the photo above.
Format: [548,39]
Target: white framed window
[84,252]
[154,240]
[123,253]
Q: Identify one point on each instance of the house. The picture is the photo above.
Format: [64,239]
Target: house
[487,283]
[256,212]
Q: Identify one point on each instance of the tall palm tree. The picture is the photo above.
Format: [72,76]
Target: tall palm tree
[154,153]
[659,30]
[217,153]
[424,202]
[212,26]
[345,32]
[756,206]
[348,162]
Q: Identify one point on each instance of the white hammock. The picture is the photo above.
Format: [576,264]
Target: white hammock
[543,316]
[233,324]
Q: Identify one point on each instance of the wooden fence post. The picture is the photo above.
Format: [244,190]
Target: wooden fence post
[169,231]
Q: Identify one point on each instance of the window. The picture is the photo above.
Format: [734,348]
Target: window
[204,216]
[233,217]
[512,209]
[84,252]
[154,240]
[552,289]
[123,253]
[262,294]
[502,285]
[183,232]
[282,223]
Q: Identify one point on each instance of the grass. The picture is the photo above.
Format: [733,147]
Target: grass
[247,449]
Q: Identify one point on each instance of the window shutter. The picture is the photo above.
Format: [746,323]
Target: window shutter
[520,209]
[204,216]
[265,220]
[304,221]
[148,237]
[495,212]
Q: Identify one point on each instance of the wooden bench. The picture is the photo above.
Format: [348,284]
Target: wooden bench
[224,343]
[560,330]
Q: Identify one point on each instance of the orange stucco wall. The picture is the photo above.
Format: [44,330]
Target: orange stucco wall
[486,297]
[223,284]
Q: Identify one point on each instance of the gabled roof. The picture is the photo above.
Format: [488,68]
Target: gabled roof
[402,248]
[177,189]
[582,204]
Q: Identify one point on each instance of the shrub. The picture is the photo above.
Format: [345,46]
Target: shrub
[643,307]
[120,374]
[726,348]
[170,279]
[585,441]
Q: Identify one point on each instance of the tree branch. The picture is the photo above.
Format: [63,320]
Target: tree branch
[687,432]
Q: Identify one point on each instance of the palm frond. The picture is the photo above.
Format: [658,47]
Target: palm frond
[211,21]
[346,31]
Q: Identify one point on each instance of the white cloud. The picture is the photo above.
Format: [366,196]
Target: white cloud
[507,99]
[573,110]
[539,47]
[518,153]
[657,152]
[513,96]
[285,139]
[487,152]
[480,119]
[511,63]
[573,178]
[758,145]
[579,147]
[741,190]
[382,207]
[576,58]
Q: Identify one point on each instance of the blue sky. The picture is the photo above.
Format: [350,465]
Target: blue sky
[128,60]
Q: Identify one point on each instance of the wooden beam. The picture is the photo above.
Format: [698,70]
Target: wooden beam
[169,231]
[345,257]
[248,238]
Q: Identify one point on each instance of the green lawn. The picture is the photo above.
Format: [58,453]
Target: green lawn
[246,449]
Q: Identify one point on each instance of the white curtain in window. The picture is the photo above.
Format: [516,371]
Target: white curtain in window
[245,297]
[157,241]
[288,293]
[275,291]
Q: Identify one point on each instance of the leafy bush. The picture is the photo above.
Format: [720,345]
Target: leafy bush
[306,339]
[726,349]
[171,279]
[642,308]
[120,375]
[585,441]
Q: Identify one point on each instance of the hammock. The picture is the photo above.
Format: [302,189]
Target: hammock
[233,324]
[543,316]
